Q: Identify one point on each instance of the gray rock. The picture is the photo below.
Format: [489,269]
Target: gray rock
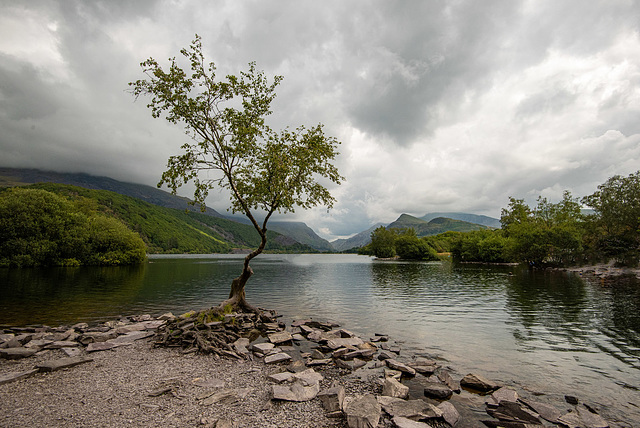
[332,398]
[384,356]
[297,366]
[413,409]
[581,417]
[280,337]
[39,343]
[167,317]
[62,363]
[72,352]
[277,358]
[503,394]
[298,337]
[363,412]
[359,353]
[131,337]
[449,413]
[478,383]
[392,388]
[281,377]
[426,370]
[401,422]
[262,347]
[14,376]
[241,346]
[546,411]
[510,411]
[397,365]
[354,364]
[344,342]
[317,355]
[305,386]
[446,378]
[100,346]
[16,353]
[62,344]
[437,390]
[322,362]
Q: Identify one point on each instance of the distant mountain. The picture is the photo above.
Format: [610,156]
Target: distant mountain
[356,241]
[434,227]
[152,195]
[469,218]
[301,233]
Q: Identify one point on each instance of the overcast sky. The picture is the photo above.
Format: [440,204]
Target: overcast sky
[439,105]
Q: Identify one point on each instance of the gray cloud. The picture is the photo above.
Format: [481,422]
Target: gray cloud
[440,106]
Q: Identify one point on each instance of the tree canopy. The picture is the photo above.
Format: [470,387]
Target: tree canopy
[263,169]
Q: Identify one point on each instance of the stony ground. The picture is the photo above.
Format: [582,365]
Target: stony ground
[114,390]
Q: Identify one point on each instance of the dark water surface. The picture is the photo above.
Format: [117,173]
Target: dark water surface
[547,332]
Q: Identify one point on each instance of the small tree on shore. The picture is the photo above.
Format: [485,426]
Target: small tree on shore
[262,169]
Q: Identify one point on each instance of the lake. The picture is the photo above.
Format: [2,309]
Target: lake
[549,332]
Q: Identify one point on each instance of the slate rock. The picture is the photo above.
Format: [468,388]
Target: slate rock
[437,390]
[16,353]
[100,346]
[280,377]
[445,377]
[546,411]
[305,386]
[503,394]
[262,347]
[14,376]
[401,422]
[131,337]
[513,412]
[280,337]
[393,388]
[581,417]
[412,409]
[397,365]
[277,358]
[352,365]
[363,412]
[449,413]
[62,363]
[332,398]
[478,383]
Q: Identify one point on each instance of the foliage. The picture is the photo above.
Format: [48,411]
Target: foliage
[387,243]
[488,246]
[616,224]
[550,233]
[40,228]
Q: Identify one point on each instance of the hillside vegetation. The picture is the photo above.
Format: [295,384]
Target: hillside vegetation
[159,229]
[434,227]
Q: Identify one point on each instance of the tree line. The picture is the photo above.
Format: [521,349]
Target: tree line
[41,228]
[601,227]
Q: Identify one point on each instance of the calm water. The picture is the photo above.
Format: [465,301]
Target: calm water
[541,332]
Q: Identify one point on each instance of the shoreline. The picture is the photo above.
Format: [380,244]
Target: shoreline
[135,384]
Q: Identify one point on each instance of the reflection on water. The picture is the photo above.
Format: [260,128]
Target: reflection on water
[544,331]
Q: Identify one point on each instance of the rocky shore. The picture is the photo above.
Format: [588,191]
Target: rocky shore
[267,374]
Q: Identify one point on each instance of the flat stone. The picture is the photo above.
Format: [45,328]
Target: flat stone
[297,366]
[363,412]
[546,411]
[354,364]
[393,388]
[397,365]
[281,377]
[401,422]
[298,337]
[72,352]
[503,394]
[226,396]
[14,376]
[280,337]
[511,411]
[62,363]
[262,347]
[359,353]
[449,413]
[277,358]
[300,323]
[16,353]
[413,409]
[131,328]
[100,346]
[344,342]
[478,383]
[581,417]
[131,337]
[40,343]
[322,362]
[208,383]
[332,398]
[445,377]
[242,346]
[62,344]
[437,390]
[422,369]
[305,386]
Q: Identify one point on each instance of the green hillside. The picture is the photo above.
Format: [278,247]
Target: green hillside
[170,230]
[434,227]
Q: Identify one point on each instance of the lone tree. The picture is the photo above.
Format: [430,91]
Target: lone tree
[262,169]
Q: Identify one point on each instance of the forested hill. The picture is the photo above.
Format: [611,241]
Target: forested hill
[171,230]
[434,227]
[152,195]
[469,218]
